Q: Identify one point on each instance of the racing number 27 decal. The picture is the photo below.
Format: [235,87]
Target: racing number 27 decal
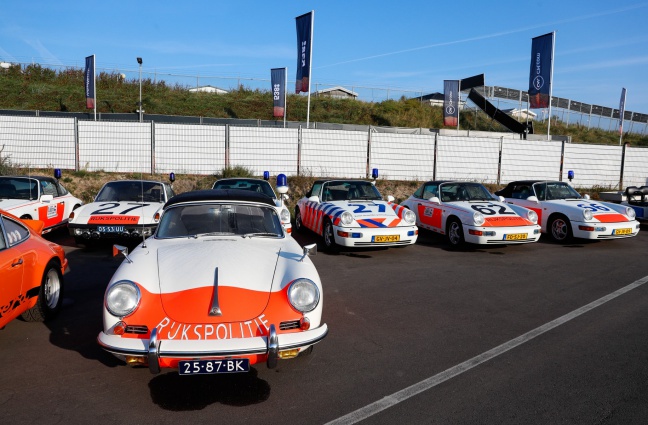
[362,208]
[112,205]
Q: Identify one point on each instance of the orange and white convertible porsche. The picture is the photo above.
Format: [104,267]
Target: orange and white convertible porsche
[219,287]
[31,271]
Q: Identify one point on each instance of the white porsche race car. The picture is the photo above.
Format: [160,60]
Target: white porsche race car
[124,209]
[468,212]
[351,213]
[38,198]
[218,288]
[564,214]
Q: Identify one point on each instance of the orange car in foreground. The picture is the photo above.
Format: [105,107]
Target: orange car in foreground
[31,271]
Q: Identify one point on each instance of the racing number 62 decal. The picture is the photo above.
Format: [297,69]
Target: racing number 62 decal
[488,209]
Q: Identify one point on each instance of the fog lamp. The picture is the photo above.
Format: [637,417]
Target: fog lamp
[288,354]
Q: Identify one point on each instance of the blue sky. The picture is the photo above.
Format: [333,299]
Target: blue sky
[601,46]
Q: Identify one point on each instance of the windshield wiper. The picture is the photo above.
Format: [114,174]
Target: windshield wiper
[198,235]
[263,234]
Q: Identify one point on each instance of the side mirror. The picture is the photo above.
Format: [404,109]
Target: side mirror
[435,200]
[309,250]
[501,198]
[586,196]
[314,199]
[120,249]
[46,198]
[533,199]
[390,198]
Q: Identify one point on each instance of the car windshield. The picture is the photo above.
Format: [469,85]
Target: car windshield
[216,219]
[18,188]
[451,192]
[353,190]
[260,186]
[548,191]
[131,191]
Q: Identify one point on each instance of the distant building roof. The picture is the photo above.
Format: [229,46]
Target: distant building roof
[337,91]
[520,113]
[431,96]
[208,89]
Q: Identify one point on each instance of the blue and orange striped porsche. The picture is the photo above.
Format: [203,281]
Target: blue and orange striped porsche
[352,213]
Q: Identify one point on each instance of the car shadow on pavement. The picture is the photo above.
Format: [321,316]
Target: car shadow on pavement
[178,393]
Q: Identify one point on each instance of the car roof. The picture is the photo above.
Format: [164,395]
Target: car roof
[532,182]
[136,181]
[40,178]
[221,195]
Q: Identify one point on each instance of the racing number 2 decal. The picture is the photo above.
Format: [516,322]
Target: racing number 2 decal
[111,205]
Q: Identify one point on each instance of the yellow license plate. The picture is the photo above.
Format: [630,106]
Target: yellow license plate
[622,231]
[515,236]
[387,238]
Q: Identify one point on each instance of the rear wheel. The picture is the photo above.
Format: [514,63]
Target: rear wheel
[454,233]
[50,295]
[560,229]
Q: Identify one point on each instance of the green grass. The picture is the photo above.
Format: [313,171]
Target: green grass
[37,88]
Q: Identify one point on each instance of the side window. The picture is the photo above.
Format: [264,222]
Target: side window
[169,192]
[418,192]
[61,190]
[47,188]
[15,232]
[430,190]
[3,243]
[315,190]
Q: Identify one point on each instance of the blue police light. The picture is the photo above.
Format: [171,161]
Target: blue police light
[374,173]
[172,177]
[282,184]
[266,175]
[57,173]
[570,175]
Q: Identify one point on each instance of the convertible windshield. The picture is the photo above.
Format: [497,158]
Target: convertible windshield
[131,191]
[211,219]
[260,186]
[548,191]
[18,188]
[339,190]
[464,192]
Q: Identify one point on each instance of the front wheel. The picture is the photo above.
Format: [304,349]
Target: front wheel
[560,229]
[50,295]
[454,233]
[298,221]
[329,238]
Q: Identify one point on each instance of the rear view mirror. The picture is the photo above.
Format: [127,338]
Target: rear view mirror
[309,250]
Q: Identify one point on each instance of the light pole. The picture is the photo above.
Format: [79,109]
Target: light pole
[139,61]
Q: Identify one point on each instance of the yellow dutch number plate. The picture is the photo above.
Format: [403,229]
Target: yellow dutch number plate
[622,231]
[516,236]
[387,238]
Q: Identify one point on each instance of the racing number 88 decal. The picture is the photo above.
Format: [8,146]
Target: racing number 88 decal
[488,209]
[593,207]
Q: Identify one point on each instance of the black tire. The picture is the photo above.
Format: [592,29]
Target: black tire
[454,233]
[559,229]
[299,226]
[329,237]
[306,352]
[50,295]
[25,217]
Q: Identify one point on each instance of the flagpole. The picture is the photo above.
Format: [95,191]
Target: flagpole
[285,94]
[553,50]
[94,84]
[458,102]
[622,113]
[310,69]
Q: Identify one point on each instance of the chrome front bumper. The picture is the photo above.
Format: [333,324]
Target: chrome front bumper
[154,349]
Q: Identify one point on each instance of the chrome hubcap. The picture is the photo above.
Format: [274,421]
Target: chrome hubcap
[52,289]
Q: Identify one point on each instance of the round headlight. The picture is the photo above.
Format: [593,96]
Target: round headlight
[478,218]
[303,295]
[587,214]
[346,218]
[630,212]
[532,216]
[409,216]
[122,298]
[284,215]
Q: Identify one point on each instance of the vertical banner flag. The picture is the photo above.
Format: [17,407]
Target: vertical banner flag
[540,72]
[304,43]
[622,109]
[451,103]
[89,82]
[278,81]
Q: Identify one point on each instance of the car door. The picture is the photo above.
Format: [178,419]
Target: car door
[51,210]
[429,214]
[12,266]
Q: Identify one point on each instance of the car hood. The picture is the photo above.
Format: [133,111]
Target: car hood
[365,213]
[495,213]
[117,213]
[601,211]
[241,270]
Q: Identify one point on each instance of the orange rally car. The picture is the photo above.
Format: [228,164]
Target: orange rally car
[31,271]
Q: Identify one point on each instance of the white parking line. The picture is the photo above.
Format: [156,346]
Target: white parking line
[411,391]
